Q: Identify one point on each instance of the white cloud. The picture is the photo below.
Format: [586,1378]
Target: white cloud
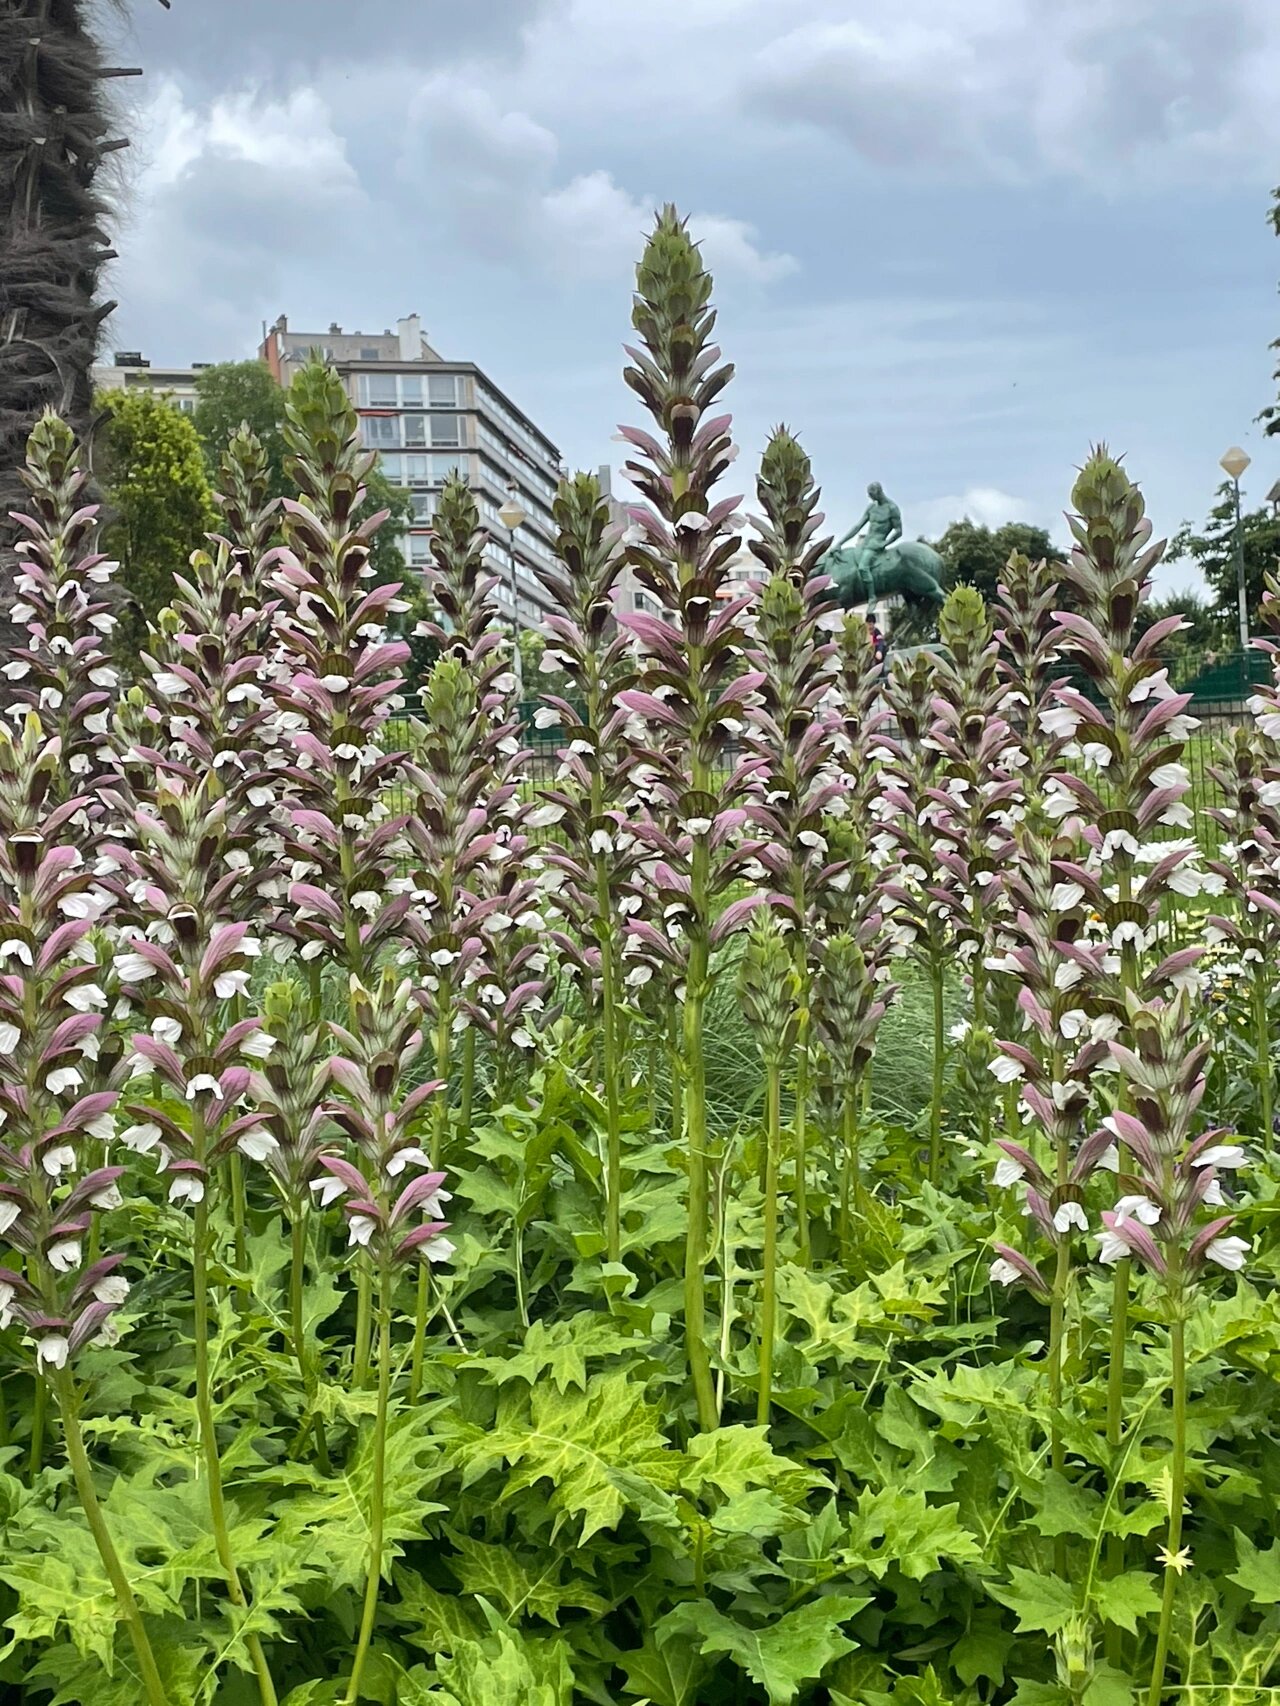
[987,506]
[228,197]
[498,171]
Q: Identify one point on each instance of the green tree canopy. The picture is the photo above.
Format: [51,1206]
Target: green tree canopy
[159,505]
[975,555]
[235,393]
[1212,550]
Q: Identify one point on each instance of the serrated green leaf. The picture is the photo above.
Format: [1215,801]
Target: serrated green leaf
[1258,1571]
[520,1583]
[782,1656]
[982,1653]
[598,1450]
[667,1673]
[894,1528]
[1040,1601]
[1065,1508]
[735,1459]
[1126,1598]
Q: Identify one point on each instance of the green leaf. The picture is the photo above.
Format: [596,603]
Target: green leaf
[331,1512]
[668,1672]
[784,1655]
[519,1583]
[1258,1571]
[735,1459]
[982,1653]
[893,1528]
[1124,1599]
[1041,1602]
[599,1450]
[1066,1508]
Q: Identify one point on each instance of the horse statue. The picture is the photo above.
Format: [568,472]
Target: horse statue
[884,563]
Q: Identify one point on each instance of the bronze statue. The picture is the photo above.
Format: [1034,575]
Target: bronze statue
[884,563]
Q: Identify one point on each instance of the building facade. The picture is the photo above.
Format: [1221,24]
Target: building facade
[427,417]
[129,370]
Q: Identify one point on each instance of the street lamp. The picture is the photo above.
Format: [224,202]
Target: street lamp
[512,516]
[1233,464]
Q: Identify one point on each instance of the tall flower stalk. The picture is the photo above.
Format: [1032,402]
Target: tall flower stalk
[691,693]
[793,741]
[594,852]
[767,986]
[391,1202]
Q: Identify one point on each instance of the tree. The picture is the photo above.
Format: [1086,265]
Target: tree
[232,394]
[976,556]
[1213,552]
[54,136]
[1193,648]
[235,393]
[159,505]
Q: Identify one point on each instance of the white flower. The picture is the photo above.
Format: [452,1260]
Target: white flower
[542,817]
[258,1045]
[1069,1214]
[546,717]
[360,1229]
[443,956]
[103,1128]
[402,1158]
[1060,721]
[188,1187]
[1005,1069]
[1003,1272]
[64,1255]
[1064,896]
[84,997]
[366,901]
[53,1348]
[439,1249]
[959,1031]
[1228,1253]
[16,949]
[230,983]
[257,1143]
[1074,1022]
[1138,1208]
[9,1038]
[64,1078]
[698,825]
[328,1189]
[133,968]
[112,1288]
[1067,975]
[166,1030]
[108,1197]
[1111,1248]
[9,1213]
[335,683]
[140,1138]
[1170,776]
[1008,1171]
[601,841]
[1226,1155]
[202,1081]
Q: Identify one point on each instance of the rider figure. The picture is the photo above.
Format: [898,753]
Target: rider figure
[883,521]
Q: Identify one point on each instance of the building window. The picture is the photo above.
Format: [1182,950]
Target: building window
[411,390]
[417,470]
[378,390]
[379,430]
[368,355]
[442,391]
[419,549]
[415,429]
[424,505]
[446,429]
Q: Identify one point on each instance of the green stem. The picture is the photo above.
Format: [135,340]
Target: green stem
[468,1091]
[422,1302]
[240,1215]
[849,1173]
[378,1498]
[1177,1493]
[1262,1042]
[612,1068]
[297,1332]
[695,1126]
[208,1436]
[939,1065]
[69,1404]
[364,1327]
[768,1292]
[36,1459]
[1057,1319]
[803,1252]
[517,1265]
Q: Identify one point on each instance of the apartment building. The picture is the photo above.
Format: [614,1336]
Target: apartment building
[426,417]
[129,370]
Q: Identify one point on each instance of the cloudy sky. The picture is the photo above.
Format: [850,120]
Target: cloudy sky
[954,241]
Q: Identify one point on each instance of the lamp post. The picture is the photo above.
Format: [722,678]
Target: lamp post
[512,516]
[1233,464]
